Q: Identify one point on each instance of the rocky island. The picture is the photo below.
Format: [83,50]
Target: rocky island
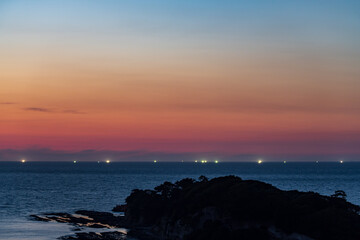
[220,208]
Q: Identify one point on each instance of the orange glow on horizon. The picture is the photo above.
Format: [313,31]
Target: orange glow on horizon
[81,83]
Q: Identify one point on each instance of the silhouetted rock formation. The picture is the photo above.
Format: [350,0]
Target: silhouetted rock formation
[221,208]
[232,208]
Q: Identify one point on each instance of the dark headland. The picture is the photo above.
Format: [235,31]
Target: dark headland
[220,208]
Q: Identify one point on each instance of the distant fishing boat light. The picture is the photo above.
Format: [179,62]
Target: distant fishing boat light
[155,161]
[341,161]
[260,161]
[107,161]
[23,160]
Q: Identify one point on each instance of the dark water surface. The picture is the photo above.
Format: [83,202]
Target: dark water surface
[35,187]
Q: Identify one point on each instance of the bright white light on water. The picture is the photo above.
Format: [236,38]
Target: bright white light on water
[284,161]
[216,161]
[155,161]
[341,161]
[195,160]
[74,161]
[107,161]
[23,160]
[260,161]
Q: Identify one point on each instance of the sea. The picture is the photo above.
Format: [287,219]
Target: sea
[38,187]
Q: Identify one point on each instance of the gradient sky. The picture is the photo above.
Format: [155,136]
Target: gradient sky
[232,77]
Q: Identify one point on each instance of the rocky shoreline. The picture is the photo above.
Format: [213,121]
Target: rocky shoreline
[220,208]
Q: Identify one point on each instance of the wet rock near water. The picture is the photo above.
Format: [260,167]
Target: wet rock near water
[89,219]
[84,218]
[95,236]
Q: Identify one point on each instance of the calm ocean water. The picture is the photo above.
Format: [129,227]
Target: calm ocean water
[35,187]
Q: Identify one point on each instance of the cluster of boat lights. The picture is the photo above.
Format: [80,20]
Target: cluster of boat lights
[205,161]
[107,161]
[260,161]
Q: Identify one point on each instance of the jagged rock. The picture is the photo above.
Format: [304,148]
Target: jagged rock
[119,208]
[81,218]
[96,236]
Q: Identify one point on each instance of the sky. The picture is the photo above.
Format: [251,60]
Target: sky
[185,78]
